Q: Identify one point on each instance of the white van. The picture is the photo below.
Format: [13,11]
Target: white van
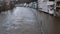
[50,7]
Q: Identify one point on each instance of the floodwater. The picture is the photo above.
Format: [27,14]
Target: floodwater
[23,20]
[20,20]
[49,24]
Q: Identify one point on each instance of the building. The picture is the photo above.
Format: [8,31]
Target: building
[46,6]
[57,8]
[9,1]
[6,4]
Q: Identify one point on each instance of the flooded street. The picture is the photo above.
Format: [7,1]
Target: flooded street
[20,20]
[23,20]
[49,24]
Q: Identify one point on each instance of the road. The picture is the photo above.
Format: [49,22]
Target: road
[23,20]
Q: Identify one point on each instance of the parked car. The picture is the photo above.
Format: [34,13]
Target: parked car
[50,7]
